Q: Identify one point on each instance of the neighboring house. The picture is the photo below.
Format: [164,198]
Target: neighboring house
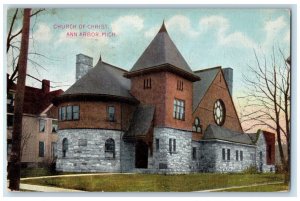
[160,117]
[40,124]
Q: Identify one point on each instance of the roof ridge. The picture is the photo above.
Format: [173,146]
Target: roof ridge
[111,65]
[206,69]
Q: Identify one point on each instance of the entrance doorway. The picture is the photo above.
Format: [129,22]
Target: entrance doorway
[141,154]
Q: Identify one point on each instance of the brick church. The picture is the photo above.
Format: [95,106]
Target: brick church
[159,117]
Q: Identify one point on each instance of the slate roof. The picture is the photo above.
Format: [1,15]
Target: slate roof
[103,79]
[200,88]
[214,132]
[141,122]
[161,50]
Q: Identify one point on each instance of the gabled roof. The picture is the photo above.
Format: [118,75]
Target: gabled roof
[200,87]
[102,80]
[214,132]
[141,122]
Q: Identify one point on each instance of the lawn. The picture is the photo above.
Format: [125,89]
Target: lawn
[157,183]
[264,188]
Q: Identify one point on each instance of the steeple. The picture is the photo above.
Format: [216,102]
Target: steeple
[162,53]
[163,27]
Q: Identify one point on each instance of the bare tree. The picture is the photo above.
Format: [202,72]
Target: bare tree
[268,98]
[14,170]
[13,46]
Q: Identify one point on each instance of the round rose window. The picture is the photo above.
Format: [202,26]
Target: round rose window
[219,112]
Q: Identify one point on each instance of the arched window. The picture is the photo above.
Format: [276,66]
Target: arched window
[110,148]
[64,146]
[197,127]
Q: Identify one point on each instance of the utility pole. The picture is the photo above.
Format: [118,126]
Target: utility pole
[15,167]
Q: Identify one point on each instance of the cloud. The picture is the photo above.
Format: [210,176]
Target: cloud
[43,33]
[183,24]
[127,23]
[273,30]
[221,26]
[220,23]
[151,32]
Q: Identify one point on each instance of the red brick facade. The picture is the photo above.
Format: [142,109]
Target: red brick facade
[162,93]
[95,115]
[270,149]
[217,90]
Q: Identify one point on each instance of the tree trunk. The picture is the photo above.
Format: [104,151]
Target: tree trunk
[14,170]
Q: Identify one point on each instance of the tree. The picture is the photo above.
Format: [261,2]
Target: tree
[14,171]
[268,98]
[15,49]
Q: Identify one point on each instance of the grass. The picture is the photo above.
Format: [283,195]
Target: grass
[38,172]
[264,188]
[157,183]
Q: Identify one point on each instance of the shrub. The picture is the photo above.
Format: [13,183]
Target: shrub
[251,170]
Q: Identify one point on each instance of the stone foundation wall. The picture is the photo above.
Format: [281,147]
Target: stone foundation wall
[127,156]
[89,156]
[172,162]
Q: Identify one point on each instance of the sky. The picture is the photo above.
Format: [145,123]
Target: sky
[205,37]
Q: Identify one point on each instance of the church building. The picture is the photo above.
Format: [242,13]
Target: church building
[159,117]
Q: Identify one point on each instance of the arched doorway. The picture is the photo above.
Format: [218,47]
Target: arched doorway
[141,154]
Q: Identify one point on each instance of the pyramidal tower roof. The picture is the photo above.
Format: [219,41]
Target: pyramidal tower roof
[160,51]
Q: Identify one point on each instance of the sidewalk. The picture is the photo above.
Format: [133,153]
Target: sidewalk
[36,188]
[237,187]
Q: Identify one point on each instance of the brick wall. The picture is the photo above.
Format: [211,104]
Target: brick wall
[161,94]
[270,152]
[154,95]
[217,90]
[94,115]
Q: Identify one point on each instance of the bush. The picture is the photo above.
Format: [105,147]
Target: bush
[251,170]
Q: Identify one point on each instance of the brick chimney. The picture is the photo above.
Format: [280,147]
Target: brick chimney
[228,74]
[83,64]
[46,86]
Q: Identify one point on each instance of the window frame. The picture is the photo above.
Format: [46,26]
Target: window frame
[194,153]
[157,144]
[53,126]
[114,114]
[65,147]
[41,153]
[223,154]
[236,155]
[42,120]
[241,156]
[63,113]
[147,83]
[222,108]
[179,109]
[228,155]
[113,151]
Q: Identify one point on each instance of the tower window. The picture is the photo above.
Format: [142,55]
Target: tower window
[180,85]
[147,83]
[179,109]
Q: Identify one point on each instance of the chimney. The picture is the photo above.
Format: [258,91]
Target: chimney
[83,64]
[228,74]
[45,86]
